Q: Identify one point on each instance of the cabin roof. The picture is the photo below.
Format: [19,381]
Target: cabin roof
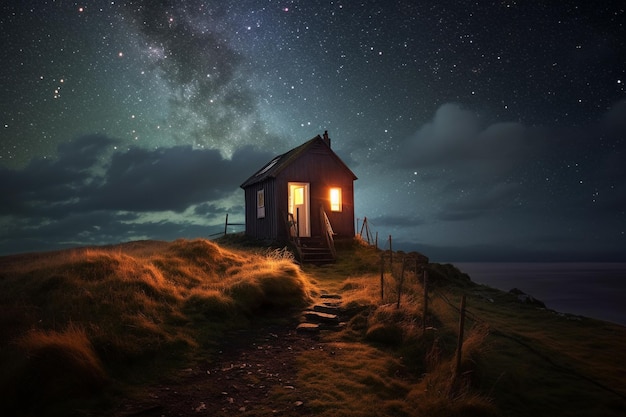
[280,162]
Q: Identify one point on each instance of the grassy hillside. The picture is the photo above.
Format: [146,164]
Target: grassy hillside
[81,328]
[76,322]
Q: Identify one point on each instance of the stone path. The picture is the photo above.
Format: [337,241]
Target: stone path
[324,315]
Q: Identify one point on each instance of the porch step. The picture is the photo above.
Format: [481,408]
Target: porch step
[314,250]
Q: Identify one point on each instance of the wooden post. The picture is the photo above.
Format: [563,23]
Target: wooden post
[382,276]
[376,241]
[390,253]
[226,225]
[362,227]
[400,284]
[459,348]
[425,275]
[298,222]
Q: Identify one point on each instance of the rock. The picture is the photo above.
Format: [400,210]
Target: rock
[331,296]
[335,304]
[310,328]
[318,317]
[527,299]
[322,308]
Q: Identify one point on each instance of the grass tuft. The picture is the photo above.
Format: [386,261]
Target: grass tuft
[54,366]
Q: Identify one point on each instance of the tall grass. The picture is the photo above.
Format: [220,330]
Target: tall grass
[78,319]
[427,358]
[79,322]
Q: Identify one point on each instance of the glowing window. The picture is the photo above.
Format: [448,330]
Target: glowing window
[335,199]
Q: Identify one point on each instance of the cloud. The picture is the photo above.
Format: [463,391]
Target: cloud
[499,196]
[456,168]
[91,193]
[455,140]
[468,168]
[45,184]
[170,178]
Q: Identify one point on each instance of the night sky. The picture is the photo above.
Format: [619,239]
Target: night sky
[478,130]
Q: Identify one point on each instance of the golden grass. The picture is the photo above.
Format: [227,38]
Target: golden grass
[103,312]
[563,367]
[357,380]
[78,320]
[51,364]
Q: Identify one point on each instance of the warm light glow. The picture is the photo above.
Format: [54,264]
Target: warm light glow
[335,199]
[299,196]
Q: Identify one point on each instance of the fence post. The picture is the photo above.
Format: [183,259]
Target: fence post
[226,225]
[382,276]
[400,283]
[425,275]
[460,342]
[390,253]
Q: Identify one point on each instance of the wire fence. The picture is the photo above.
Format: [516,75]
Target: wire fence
[226,225]
[406,264]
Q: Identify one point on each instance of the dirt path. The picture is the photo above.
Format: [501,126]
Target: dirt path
[251,365]
[254,375]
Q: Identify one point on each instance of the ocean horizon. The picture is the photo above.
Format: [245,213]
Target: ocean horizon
[591,289]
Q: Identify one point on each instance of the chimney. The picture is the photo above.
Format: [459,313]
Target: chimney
[326,138]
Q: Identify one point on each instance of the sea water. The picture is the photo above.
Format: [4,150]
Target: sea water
[596,290]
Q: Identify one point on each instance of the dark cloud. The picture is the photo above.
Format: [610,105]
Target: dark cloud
[456,140]
[89,195]
[47,184]
[475,167]
[170,178]
[536,188]
[95,228]
[500,196]
[206,209]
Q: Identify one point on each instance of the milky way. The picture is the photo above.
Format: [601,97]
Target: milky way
[476,130]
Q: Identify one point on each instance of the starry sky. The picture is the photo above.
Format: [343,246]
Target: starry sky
[479,130]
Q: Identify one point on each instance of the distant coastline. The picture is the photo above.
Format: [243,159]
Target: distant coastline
[590,289]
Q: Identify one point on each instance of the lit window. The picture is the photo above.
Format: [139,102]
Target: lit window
[335,199]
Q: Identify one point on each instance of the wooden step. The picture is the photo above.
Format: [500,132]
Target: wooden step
[317,257]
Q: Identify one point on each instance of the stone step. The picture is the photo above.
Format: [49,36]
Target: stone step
[319,317]
[331,296]
[336,304]
[329,309]
[308,328]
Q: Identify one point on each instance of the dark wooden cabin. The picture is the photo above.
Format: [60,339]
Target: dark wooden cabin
[305,196]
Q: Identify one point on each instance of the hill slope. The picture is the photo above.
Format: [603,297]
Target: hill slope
[84,328]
